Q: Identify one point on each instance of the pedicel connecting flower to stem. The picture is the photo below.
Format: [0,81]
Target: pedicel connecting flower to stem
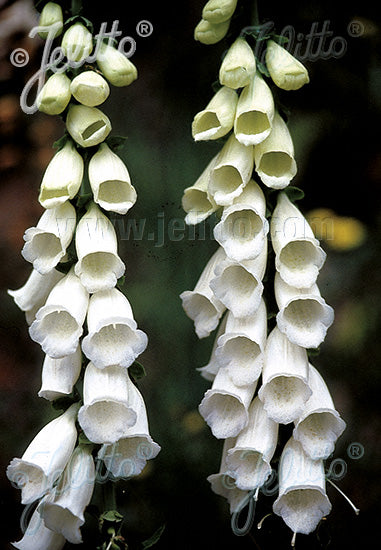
[83,322]
[259,370]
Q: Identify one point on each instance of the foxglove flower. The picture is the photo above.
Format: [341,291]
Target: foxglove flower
[115,66]
[60,375]
[249,460]
[109,407]
[89,88]
[55,94]
[304,317]
[285,70]
[238,66]
[196,201]
[274,156]
[217,11]
[77,43]
[285,390]
[255,112]
[113,337]
[231,172]
[217,119]
[319,425]
[46,244]
[302,500]
[210,370]
[298,254]
[225,406]
[62,178]
[200,304]
[243,227]
[240,349]
[63,508]
[58,324]
[99,266]
[88,126]
[37,535]
[45,458]
[51,16]
[110,181]
[210,33]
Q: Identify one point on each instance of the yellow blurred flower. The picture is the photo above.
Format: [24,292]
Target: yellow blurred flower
[193,422]
[339,232]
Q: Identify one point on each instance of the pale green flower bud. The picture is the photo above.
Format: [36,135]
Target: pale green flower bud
[51,15]
[238,66]
[55,94]
[286,71]
[218,11]
[115,66]
[90,88]
[217,119]
[77,43]
[210,33]
[88,126]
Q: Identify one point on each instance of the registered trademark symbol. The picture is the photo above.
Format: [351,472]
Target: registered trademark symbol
[355,28]
[355,451]
[144,28]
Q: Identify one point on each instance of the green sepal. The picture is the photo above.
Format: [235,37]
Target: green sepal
[116,143]
[80,19]
[313,352]
[61,142]
[154,538]
[279,39]
[294,193]
[84,440]
[262,68]
[136,371]
[112,516]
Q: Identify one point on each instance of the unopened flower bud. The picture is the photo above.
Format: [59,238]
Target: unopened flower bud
[218,11]
[77,43]
[90,88]
[88,126]
[238,66]
[115,66]
[286,71]
[55,94]
[51,15]
[210,33]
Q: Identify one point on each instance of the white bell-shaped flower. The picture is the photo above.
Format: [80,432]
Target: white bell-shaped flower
[210,370]
[109,404]
[63,508]
[113,337]
[88,126]
[77,43]
[90,88]
[249,459]
[238,66]
[255,112]
[99,266]
[217,11]
[115,66]
[238,285]
[200,304]
[46,244]
[298,256]
[285,390]
[240,349]
[60,375]
[196,201]
[32,295]
[217,119]
[55,94]
[37,535]
[232,171]
[243,227]
[62,178]
[319,425]
[303,315]
[110,181]
[128,456]
[285,70]
[210,33]
[45,458]
[59,323]
[225,406]
[302,500]
[274,156]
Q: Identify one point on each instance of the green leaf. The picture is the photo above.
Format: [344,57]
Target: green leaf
[136,371]
[112,516]
[154,539]
[294,193]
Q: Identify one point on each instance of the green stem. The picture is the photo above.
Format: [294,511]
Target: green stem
[254,13]
[76,7]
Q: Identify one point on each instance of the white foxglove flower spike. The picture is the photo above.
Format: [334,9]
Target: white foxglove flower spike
[320,425]
[210,33]
[285,390]
[55,94]
[115,66]
[217,11]
[62,178]
[90,88]
[200,304]
[238,285]
[99,266]
[88,126]
[63,508]
[217,119]
[225,406]
[128,456]
[243,227]
[274,156]
[196,201]
[108,404]
[232,171]
[37,535]
[210,370]
[46,457]
[113,337]
[32,295]
[302,500]
[46,244]
[110,181]
[249,459]
[304,317]
[298,254]
[59,323]
[77,43]
[255,112]
[238,66]
[240,349]
[60,375]
[285,70]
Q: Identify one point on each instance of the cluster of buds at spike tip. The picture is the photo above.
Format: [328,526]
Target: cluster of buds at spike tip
[259,370]
[74,309]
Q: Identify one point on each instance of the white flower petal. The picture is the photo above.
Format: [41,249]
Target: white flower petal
[37,535]
[285,70]
[88,126]
[60,375]
[196,201]
[238,66]
[54,95]
[217,119]
[90,88]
